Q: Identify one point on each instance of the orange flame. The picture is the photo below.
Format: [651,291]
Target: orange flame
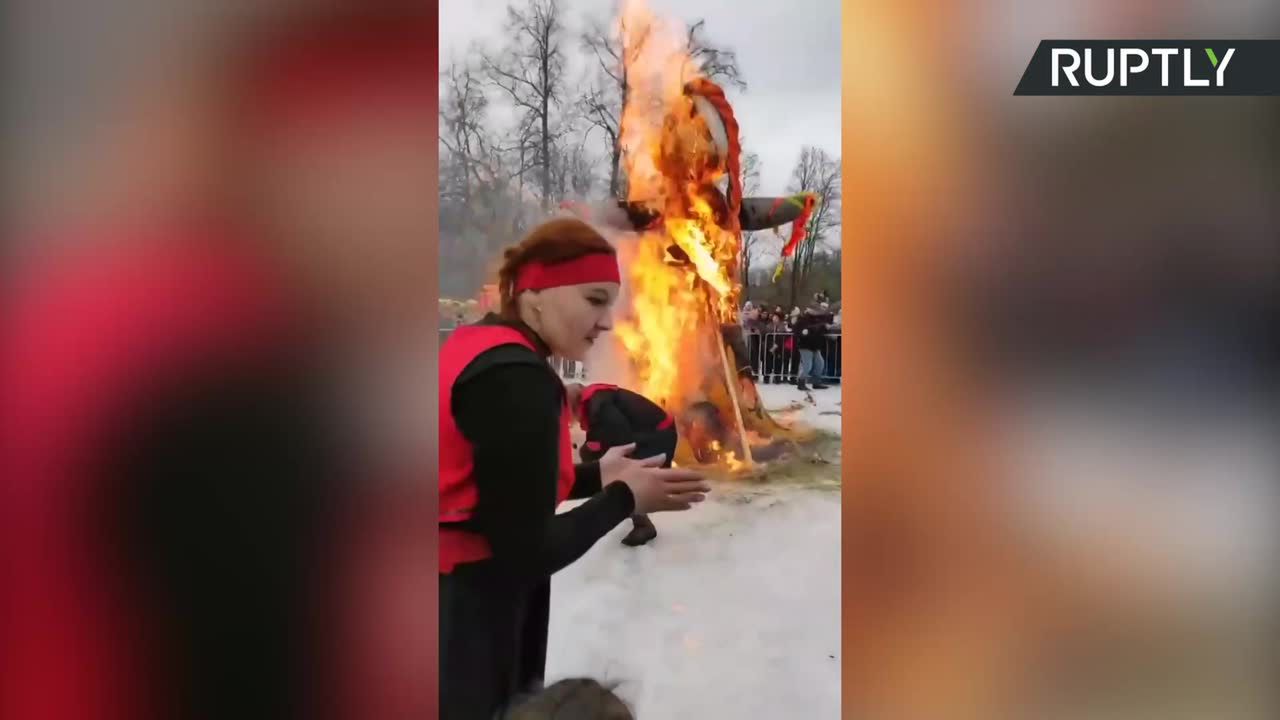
[673,165]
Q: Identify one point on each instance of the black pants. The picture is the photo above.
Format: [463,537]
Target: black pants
[493,641]
[775,365]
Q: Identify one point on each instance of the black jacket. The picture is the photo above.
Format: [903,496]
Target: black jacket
[614,416]
[811,332]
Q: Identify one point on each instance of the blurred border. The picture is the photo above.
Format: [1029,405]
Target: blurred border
[1105,253]
[80,78]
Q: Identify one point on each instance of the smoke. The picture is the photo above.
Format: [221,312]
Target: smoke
[608,361]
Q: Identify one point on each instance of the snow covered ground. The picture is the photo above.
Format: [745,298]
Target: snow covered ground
[823,413]
[733,612]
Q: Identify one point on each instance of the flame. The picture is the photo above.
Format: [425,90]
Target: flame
[676,304]
[670,162]
[706,244]
[732,462]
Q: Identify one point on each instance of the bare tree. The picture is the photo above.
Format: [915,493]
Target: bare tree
[750,186]
[819,173]
[469,177]
[573,168]
[718,64]
[484,201]
[463,111]
[581,169]
[614,50]
[530,71]
[496,180]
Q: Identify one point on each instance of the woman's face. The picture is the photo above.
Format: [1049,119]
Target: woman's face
[571,317]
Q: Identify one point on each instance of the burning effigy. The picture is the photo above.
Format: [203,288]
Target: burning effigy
[679,329]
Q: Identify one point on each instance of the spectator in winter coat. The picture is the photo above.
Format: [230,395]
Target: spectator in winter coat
[811,338]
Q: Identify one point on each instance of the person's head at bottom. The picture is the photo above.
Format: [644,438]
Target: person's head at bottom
[575,699]
[561,281]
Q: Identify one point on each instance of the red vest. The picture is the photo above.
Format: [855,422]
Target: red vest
[458,493]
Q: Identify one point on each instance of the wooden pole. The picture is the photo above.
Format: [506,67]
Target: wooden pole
[729,377]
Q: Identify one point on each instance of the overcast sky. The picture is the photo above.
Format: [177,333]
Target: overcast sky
[788,52]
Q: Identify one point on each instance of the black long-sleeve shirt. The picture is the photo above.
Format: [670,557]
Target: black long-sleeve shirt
[508,404]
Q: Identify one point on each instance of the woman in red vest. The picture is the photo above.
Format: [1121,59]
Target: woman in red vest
[506,463]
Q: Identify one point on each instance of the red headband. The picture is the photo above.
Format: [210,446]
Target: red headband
[593,268]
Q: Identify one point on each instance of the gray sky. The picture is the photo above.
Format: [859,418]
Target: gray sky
[789,55]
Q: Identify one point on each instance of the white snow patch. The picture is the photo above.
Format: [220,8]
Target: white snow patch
[732,612]
[822,413]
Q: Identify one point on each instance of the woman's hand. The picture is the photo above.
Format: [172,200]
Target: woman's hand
[655,489]
[615,460]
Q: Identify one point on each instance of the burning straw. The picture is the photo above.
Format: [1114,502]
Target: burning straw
[680,331]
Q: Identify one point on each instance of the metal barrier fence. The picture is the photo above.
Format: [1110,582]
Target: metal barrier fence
[773,357]
[569,369]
